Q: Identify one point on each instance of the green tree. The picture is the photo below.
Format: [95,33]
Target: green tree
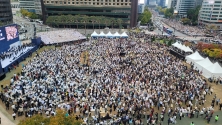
[113,21]
[192,14]
[76,19]
[85,20]
[119,22]
[70,20]
[93,20]
[146,16]
[168,12]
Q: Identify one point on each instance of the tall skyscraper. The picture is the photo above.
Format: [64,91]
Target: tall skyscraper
[127,10]
[5,12]
[172,3]
[183,6]
[28,5]
[211,13]
[161,3]
[198,2]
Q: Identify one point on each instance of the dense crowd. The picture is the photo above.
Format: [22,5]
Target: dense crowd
[120,83]
[189,30]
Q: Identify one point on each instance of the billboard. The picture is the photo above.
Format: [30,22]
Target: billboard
[8,35]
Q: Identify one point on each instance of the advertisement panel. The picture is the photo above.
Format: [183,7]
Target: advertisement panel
[8,35]
[11,33]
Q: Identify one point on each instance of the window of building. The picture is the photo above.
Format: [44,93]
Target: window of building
[105,3]
[114,0]
[117,0]
[77,2]
[93,3]
[126,4]
[56,2]
[47,1]
[64,2]
[97,3]
[60,2]
[101,3]
[68,2]
[73,2]
[217,1]
[52,1]
[121,3]
[121,0]
[117,4]
[109,3]
[113,3]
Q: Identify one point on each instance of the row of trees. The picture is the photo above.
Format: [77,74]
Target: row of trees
[211,50]
[31,15]
[83,20]
[167,12]
[192,15]
[145,17]
[61,118]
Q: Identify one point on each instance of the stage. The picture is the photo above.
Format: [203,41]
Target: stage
[16,59]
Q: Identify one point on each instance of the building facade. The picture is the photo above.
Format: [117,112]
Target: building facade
[141,8]
[28,5]
[172,3]
[198,2]
[5,12]
[183,6]
[161,3]
[211,13]
[127,10]
[38,6]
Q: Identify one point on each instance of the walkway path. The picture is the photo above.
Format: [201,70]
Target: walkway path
[6,119]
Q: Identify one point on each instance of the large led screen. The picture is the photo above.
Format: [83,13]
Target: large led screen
[11,32]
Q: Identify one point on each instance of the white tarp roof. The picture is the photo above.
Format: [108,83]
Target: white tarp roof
[214,70]
[109,34]
[102,34]
[194,57]
[200,65]
[94,34]
[116,34]
[124,34]
[182,47]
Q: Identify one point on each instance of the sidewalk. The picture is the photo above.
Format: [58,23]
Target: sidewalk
[6,119]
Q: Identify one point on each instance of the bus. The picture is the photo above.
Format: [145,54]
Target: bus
[167,30]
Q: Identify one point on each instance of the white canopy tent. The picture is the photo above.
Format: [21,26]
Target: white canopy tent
[200,65]
[116,34]
[124,35]
[109,34]
[214,70]
[194,57]
[182,47]
[94,34]
[102,34]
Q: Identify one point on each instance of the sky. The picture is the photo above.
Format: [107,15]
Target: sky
[142,1]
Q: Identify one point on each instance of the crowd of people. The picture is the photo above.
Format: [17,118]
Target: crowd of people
[189,30]
[11,52]
[120,83]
